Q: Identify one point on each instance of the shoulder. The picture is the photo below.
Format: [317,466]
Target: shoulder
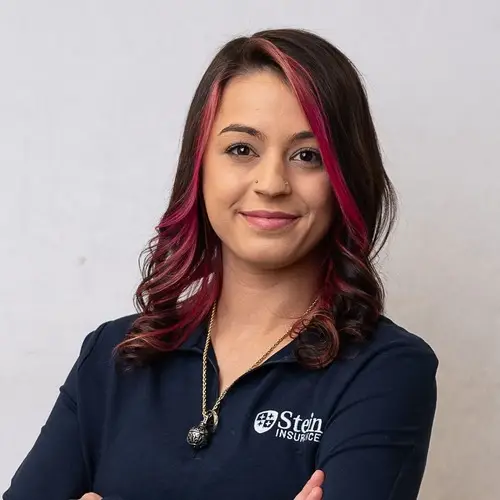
[388,335]
[391,356]
[100,343]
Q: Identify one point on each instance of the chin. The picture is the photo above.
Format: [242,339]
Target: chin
[270,261]
[269,255]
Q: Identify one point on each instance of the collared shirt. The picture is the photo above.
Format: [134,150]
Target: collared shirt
[365,420]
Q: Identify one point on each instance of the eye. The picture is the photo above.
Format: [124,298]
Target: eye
[240,149]
[310,156]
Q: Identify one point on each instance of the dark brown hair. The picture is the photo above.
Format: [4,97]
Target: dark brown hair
[182,265]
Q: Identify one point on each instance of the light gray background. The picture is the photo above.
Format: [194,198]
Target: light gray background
[93,95]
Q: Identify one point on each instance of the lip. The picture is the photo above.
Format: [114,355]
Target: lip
[267,220]
[265,214]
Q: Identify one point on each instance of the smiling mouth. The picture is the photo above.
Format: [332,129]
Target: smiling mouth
[264,220]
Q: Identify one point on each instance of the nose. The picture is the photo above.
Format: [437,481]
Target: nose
[270,177]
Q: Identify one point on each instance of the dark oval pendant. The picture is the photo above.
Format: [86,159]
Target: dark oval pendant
[199,436]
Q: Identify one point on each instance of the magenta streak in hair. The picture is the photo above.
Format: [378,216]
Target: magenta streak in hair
[187,211]
[178,233]
[181,226]
[319,125]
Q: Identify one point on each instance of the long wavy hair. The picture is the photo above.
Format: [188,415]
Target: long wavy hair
[181,268]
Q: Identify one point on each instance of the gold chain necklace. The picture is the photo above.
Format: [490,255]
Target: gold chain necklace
[199,435]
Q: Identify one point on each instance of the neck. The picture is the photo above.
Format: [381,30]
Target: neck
[265,301]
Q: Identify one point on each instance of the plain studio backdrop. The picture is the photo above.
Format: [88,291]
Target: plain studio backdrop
[93,97]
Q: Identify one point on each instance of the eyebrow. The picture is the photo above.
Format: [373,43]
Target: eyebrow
[245,129]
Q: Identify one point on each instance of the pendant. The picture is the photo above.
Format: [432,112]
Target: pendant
[199,436]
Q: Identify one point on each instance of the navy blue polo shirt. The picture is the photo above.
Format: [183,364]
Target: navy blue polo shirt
[365,420]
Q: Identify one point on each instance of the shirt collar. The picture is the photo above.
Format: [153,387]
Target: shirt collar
[196,340]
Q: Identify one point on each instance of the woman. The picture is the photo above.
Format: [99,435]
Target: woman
[260,364]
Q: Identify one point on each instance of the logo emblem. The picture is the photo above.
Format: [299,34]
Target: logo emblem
[265,420]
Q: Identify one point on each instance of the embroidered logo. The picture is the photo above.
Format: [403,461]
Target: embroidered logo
[286,425]
[265,421]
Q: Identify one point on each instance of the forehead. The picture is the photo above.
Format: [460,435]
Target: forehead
[261,99]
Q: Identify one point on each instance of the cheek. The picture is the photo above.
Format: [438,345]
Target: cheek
[321,208]
[320,199]
[222,190]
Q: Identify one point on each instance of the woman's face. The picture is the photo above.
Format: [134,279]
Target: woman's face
[267,195]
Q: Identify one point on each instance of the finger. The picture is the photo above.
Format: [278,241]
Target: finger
[316,494]
[315,480]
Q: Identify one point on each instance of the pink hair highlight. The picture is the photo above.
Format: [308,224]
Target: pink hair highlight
[304,88]
[176,249]
[187,210]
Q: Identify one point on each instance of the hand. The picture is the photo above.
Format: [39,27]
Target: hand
[91,496]
[312,490]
